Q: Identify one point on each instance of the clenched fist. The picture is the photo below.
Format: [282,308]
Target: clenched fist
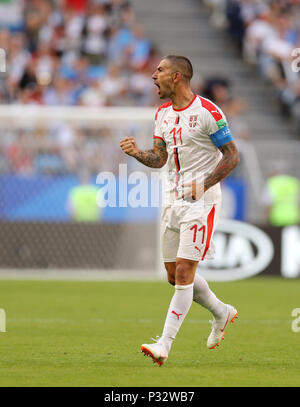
[129,146]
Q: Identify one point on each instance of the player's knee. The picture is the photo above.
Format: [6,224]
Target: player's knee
[171,269]
[184,272]
[181,273]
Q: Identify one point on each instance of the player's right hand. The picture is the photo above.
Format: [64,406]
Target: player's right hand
[129,146]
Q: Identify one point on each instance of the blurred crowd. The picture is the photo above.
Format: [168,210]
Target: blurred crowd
[268,35]
[71,52]
[82,52]
[94,53]
[61,149]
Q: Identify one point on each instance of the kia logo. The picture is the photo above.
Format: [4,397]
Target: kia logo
[242,250]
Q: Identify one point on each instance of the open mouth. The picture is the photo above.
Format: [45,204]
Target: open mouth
[156,84]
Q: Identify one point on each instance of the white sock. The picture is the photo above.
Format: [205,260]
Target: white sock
[205,297]
[178,309]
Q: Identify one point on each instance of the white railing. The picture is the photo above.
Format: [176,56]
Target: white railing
[16,115]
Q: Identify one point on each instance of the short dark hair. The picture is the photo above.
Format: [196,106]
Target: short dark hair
[182,64]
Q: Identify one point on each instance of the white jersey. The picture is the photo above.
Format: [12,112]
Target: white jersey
[193,136]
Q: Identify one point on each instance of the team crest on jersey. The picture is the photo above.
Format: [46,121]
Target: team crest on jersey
[193,120]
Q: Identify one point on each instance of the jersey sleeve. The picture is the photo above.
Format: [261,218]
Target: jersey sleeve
[215,125]
[157,127]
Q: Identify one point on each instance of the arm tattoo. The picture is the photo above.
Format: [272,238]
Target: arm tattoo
[228,162]
[156,157]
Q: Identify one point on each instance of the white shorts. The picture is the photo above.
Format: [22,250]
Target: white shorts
[187,231]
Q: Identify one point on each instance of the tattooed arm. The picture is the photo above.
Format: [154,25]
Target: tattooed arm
[154,158]
[227,164]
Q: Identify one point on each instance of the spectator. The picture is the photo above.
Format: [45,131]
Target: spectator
[18,57]
[96,25]
[140,48]
[62,92]
[120,39]
[141,87]
[92,95]
[113,85]
[267,32]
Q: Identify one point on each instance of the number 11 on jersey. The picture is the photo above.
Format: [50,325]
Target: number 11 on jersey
[178,132]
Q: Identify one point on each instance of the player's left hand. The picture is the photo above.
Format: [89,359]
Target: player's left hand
[194,190]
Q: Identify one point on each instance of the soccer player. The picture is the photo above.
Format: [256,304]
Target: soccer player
[190,133]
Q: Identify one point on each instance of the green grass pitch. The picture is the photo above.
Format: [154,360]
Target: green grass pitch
[89,334]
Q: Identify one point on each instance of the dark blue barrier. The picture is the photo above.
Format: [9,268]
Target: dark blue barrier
[45,199]
[234,191]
